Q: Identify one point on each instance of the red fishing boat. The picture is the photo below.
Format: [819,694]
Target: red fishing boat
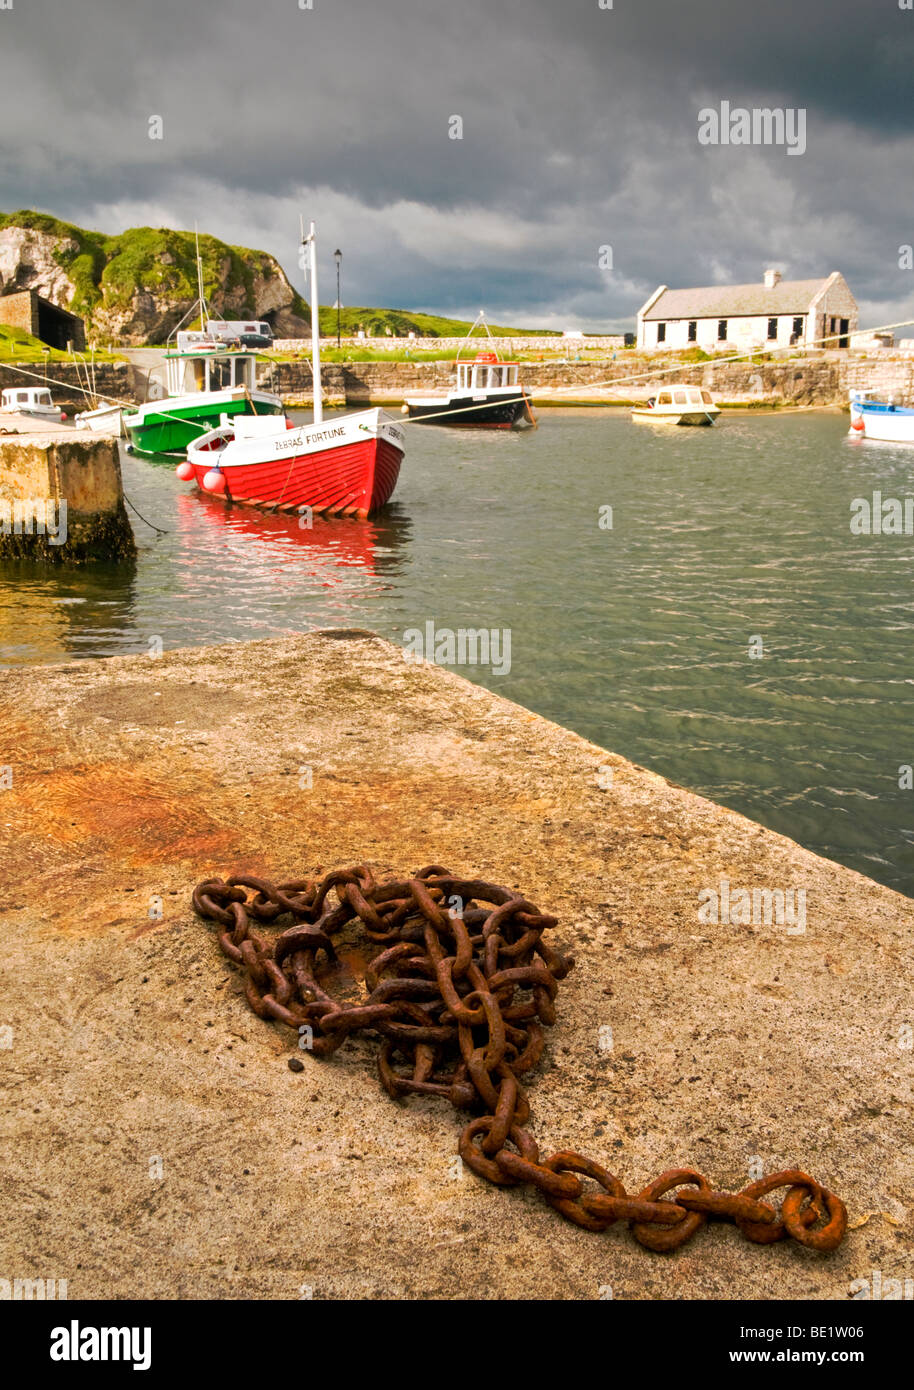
[345,466]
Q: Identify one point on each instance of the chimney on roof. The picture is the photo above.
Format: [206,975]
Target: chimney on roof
[771,278]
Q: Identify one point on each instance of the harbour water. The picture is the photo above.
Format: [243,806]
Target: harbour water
[728,629]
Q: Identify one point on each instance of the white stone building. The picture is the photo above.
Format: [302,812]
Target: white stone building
[732,318]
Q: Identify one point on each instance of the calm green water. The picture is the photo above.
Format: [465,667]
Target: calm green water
[638,637]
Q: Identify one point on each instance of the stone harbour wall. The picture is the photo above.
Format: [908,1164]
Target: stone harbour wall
[119,380]
[801,382]
[811,381]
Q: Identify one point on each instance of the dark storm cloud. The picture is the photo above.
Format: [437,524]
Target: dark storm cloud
[580,130]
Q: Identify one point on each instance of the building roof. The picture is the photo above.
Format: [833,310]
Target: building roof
[730,301]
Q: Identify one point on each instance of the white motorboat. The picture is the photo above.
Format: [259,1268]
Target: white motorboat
[30,400]
[680,405]
[873,419]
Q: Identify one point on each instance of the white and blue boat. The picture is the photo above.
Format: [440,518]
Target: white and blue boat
[872,419]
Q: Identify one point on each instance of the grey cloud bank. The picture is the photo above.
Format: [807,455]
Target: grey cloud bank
[580,129]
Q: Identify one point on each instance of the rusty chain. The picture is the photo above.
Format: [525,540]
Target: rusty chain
[460,992]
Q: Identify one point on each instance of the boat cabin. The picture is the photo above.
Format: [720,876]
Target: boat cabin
[486,373]
[29,398]
[209,370]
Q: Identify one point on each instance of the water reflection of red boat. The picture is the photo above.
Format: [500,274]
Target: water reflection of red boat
[328,543]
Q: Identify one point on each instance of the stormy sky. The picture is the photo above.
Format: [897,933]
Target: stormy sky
[579,132]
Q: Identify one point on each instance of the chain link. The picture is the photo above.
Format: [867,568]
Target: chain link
[460,992]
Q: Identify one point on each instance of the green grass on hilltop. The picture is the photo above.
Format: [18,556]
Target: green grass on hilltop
[402,322]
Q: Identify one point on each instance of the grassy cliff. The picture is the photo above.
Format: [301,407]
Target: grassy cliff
[107,271]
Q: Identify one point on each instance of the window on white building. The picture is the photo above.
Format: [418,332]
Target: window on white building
[661,333]
[772,329]
[693,330]
[722,330]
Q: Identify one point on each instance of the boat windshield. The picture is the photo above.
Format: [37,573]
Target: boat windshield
[211,372]
[482,376]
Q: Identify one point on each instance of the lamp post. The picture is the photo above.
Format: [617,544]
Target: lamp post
[337,256]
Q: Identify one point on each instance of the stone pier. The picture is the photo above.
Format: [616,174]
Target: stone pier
[61,495]
[156,1142]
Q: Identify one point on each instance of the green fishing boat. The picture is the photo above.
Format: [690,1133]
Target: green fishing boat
[204,382]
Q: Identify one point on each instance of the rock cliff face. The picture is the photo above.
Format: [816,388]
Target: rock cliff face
[27,262]
[135,288]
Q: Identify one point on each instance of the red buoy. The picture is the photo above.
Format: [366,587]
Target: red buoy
[185,471]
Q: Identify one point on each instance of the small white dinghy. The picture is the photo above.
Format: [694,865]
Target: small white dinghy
[106,420]
[680,405]
[872,419]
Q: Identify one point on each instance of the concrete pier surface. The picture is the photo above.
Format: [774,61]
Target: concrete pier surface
[157,1144]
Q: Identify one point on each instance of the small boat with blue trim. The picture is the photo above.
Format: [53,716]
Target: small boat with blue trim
[874,419]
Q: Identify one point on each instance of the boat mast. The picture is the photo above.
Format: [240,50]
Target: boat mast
[311,242]
[204,311]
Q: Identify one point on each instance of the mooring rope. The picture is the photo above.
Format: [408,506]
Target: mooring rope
[161,529]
